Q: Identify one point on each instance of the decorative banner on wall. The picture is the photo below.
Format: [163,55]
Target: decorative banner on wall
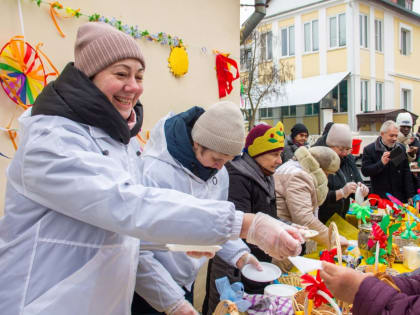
[224,75]
[178,62]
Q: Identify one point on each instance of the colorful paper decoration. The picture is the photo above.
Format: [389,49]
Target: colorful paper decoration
[328,255]
[178,61]
[408,233]
[361,212]
[315,285]
[22,72]
[161,37]
[224,75]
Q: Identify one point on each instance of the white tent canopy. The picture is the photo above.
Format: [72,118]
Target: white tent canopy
[305,91]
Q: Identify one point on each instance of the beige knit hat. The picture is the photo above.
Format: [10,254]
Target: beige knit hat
[339,136]
[221,128]
[99,45]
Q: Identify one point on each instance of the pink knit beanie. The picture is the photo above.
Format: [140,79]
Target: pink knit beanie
[99,45]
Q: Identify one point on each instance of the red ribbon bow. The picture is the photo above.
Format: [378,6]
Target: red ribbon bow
[378,236]
[224,76]
[328,255]
[313,287]
[381,203]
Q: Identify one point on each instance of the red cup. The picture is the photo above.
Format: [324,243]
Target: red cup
[355,147]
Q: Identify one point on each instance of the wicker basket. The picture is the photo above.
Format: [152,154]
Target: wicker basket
[226,307]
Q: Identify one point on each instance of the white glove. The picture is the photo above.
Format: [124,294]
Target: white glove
[182,307]
[349,188]
[246,259]
[364,189]
[277,239]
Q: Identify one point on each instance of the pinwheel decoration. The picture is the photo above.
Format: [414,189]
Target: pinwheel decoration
[361,212]
[22,72]
[408,233]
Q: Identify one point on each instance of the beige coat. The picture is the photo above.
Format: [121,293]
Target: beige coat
[301,186]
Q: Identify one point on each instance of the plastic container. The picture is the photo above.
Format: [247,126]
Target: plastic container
[411,257]
[281,290]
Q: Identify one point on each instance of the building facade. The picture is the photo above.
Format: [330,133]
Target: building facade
[348,56]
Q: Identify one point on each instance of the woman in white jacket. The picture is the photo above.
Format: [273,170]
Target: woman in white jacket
[187,152]
[75,207]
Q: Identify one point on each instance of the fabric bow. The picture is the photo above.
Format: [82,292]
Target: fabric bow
[224,76]
[378,236]
[361,212]
[315,285]
[408,233]
[328,255]
[234,293]
[381,203]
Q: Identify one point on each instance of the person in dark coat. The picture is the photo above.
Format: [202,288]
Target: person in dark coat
[298,137]
[343,184]
[388,173]
[369,295]
[251,189]
[321,140]
[406,137]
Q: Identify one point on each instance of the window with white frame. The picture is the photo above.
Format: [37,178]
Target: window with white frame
[379,35]
[337,30]
[406,99]
[311,37]
[364,95]
[266,46]
[405,40]
[379,95]
[288,41]
[266,112]
[364,30]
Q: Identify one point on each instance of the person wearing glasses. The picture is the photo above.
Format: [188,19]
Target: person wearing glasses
[343,184]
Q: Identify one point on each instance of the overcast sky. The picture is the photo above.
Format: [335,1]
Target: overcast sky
[247,11]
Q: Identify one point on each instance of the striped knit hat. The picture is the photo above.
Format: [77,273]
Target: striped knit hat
[99,45]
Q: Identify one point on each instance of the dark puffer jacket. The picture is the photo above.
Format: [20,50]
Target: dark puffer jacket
[394,179]
[347,172]
[251,191]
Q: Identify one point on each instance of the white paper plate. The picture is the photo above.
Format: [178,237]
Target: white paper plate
[269,273]
[309,233]
[193,248]
[282,290]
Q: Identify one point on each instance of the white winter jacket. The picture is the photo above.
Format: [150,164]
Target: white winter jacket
[161,274]
[75,211]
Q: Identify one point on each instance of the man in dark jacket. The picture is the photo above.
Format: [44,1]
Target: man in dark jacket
[343,184]
[386,163]
[298,136]
[251,189]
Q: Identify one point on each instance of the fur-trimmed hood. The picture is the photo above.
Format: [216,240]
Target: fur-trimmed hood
[311,166]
